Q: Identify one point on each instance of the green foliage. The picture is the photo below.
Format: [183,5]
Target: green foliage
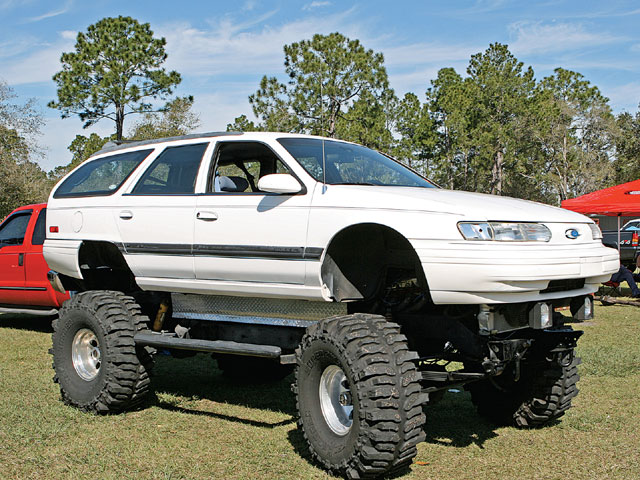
[336,88]
[498,131]
[417,134]
[578,135]
[242,124]
[22,181]
[176,118]
[114,71]
[627,163]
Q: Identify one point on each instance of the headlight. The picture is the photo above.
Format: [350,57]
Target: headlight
[596,233]
[505,231]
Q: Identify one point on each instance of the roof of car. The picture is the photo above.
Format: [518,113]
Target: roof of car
[112,146]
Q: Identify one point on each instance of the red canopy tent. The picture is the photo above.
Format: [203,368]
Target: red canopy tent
[621,200]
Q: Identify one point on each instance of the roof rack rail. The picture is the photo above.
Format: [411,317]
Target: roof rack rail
[112,145]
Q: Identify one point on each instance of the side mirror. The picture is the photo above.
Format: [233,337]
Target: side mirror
[279,183]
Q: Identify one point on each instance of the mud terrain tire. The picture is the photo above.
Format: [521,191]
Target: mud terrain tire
[358,396]
[543,394]
[96,362]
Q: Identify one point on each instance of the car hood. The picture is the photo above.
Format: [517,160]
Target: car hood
[469,205]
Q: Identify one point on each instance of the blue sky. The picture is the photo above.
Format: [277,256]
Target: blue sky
[222,49]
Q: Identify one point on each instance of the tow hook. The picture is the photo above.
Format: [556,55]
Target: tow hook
[516,367]
[564,358]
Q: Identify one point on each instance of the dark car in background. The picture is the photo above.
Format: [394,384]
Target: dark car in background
[628,242]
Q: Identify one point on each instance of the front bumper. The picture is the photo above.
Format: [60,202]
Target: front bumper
[462,272]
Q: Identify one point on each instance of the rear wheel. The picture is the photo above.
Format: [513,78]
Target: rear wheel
[542,394]
[96,362]
[358,396]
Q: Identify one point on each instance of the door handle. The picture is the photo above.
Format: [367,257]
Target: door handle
[207,216]
[20,259]
[126,215]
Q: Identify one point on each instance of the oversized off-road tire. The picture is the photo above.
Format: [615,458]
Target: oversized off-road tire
[96,362]
[252,369]
[542,394]
[358,396]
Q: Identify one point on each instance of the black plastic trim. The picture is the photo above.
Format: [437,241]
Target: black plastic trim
[238,251]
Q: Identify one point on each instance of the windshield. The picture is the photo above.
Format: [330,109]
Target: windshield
[631,227]
[349,164]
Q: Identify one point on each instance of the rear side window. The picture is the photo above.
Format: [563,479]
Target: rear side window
[174,172]
[101,177]
[39,231]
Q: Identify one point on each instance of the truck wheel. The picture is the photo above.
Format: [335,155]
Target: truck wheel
[542,394]
[252,369]
[96,362]
[358,396]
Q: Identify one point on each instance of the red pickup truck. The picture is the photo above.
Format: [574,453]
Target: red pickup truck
[24,287]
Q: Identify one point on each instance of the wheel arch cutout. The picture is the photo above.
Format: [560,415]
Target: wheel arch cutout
[359,258]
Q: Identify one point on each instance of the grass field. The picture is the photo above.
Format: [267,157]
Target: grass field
[198,425]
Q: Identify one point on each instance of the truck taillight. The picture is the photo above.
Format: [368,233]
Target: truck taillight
[53,229]
[634,239]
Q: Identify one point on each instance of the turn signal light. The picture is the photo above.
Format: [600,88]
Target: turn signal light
[634,239]
[53,229]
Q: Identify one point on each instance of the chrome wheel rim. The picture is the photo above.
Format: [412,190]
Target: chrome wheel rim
[336,402]
[85,354]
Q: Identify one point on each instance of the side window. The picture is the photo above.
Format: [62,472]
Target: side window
[240,165]
[173,172]
[14,228]
[101,177]
[39,231]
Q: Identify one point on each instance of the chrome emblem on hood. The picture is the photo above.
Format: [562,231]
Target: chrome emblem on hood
[572,234]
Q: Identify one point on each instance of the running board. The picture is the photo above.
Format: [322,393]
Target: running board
[160,340]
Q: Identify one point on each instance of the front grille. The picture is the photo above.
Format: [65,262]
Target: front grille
[564,285]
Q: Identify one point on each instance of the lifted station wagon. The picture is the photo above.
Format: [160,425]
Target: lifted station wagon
[279,252]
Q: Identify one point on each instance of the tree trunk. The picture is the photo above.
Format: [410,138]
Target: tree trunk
[497,173]
[119,122]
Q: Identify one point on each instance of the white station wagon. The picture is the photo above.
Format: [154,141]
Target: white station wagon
[278,251]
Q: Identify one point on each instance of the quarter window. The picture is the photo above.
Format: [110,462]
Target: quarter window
[173,172]
[40,231]
[101,177]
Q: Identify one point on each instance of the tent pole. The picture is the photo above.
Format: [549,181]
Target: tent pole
[618,234]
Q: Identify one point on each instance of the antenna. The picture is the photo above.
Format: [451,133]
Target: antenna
[324,163]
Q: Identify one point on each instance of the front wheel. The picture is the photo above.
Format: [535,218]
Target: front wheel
[542,394]
[96,362]
[358,396]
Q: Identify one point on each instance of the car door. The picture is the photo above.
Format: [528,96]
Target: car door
[242,234]
[36,268]
[155,219]
[13,231]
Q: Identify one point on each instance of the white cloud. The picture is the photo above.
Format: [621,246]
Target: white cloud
[316,4]
[623,97]
[540,38]
[39,66]
[16,46]
[53,13]
[229,48]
